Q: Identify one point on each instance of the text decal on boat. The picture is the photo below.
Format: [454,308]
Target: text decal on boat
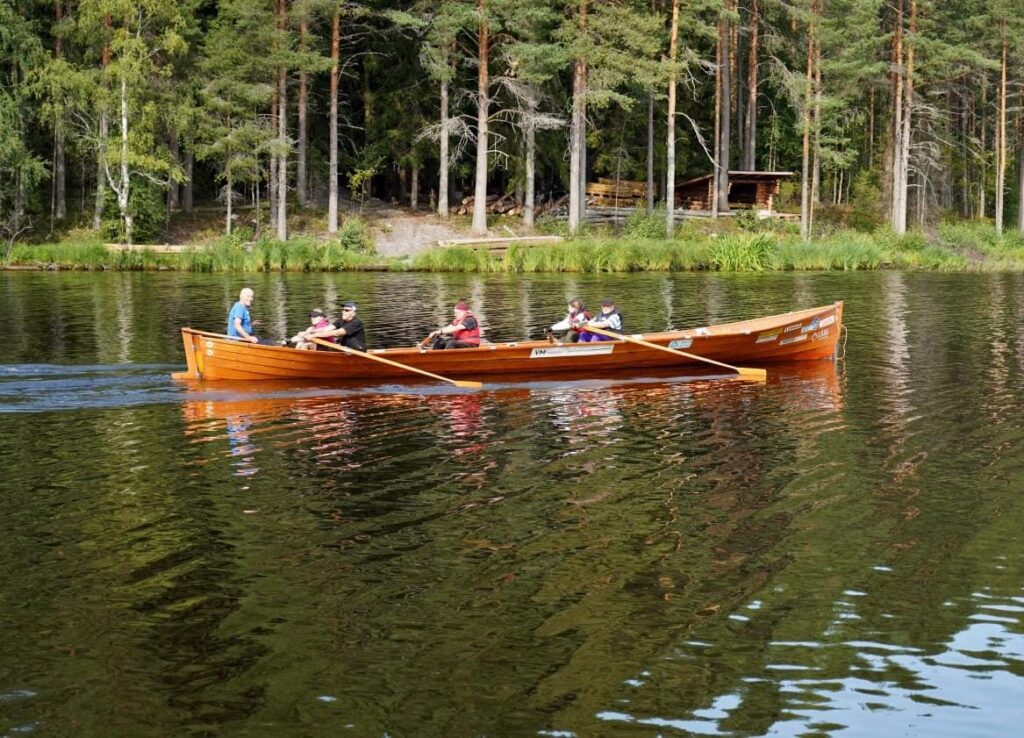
[681,343]
[767,336]
[558,351]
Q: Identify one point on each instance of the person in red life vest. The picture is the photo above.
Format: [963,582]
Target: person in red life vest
[610,319]
[573,321]
[462,332]
[347,331]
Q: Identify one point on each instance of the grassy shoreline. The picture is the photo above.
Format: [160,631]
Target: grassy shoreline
[954,247]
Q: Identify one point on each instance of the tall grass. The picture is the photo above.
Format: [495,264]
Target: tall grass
[228,254]
[720,247]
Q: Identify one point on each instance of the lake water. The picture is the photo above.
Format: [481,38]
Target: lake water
[839,551]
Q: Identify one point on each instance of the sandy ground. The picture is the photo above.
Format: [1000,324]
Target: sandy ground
[402,232]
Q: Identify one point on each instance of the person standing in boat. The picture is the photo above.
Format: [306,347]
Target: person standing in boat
[573,321]
[610,319]
[462,332]
[347,331]
[239,322]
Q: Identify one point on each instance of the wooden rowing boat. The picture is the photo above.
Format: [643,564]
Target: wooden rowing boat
[797,336]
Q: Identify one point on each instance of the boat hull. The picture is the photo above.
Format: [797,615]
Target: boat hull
[806,335]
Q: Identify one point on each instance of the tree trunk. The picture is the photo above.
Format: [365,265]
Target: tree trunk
[725,133]
[805,177]
[60,207]
[1001,137]
[332,168]
[984,143]
[1020,173]
[230,203]
[750,122]
[186,190]
[482,112]
[282,136]
[716,144]
[125,185]
[650,154]
[300,154]
[414,187]
[442,175]
[897,118]
[531,154]
[670,140]
[173,188]
[816,168]
[900,226]
[650,145]
[577,134]
[272,195]
[104,133]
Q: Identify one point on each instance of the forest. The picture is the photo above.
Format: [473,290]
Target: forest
[116,115]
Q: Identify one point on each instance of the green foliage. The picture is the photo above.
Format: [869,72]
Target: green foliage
[148,210]
[642,225]
[742,253]
[354,235]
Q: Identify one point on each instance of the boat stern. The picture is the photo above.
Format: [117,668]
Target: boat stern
[192,357]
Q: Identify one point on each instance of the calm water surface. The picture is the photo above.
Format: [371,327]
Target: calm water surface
[838,552]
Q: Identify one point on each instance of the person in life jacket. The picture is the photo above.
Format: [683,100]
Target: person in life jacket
[610,319]
[462,332]
[573,321]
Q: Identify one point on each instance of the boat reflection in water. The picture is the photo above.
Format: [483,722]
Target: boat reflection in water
[343,427]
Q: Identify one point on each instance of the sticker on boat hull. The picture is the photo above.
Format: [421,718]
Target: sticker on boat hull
[812,326]
[768,336]
[818,335]
[556,352]
[825,322]
[793,339]
[681,343]
[790,328]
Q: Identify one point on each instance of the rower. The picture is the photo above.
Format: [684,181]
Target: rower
[347,330]
[610,319]
[462,332]
[573,321]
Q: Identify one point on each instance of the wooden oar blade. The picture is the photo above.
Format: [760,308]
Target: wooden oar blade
[758,374]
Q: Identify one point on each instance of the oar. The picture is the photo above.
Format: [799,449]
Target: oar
[367,355]
[759,374]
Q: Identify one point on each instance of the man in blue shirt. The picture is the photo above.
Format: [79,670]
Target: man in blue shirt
[239,322]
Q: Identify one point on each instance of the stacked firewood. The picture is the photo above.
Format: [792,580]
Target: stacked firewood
[623,193]
[506,205]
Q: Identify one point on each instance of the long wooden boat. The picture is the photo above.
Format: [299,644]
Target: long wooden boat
[805,335]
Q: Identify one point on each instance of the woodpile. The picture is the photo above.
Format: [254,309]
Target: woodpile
[623,193]
[506,205]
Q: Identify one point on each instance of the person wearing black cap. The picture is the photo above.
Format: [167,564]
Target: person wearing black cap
[610,319]
[347,330]
[318,323]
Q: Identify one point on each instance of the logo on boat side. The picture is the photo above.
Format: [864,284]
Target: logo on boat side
[818,335]
[827,321]
[793,339]
[560,351]
[790,328]
[768,336]
[681,343]
[812,326]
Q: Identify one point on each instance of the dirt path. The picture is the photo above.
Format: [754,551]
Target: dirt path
[399,232]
